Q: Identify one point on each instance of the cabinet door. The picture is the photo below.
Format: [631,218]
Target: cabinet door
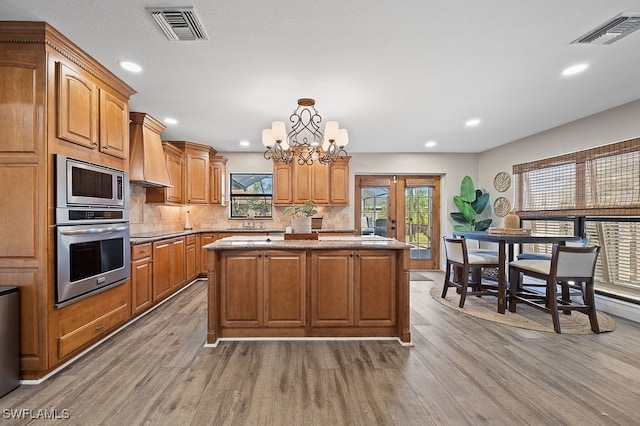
[218,180]
[282,184]
[332,288]
[141,285]
[77,107]
[375,288]
[175,168]
[178,270]
[285,288]
[197,177]
[205,239]
[339,194]
[114,125]
[241,293]
[320,183]
[161,270]
[302,177]
[191,262]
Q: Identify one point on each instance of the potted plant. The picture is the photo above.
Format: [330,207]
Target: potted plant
[471,202]
[301,216]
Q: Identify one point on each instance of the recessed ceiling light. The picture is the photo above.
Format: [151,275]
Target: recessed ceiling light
[245,143]
[575,69]
[170,121]
[472,122]
[430,144]
[130,66]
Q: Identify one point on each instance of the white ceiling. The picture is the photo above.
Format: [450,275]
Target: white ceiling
[396,74]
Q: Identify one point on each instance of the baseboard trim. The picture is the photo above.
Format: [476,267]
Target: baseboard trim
[620,308]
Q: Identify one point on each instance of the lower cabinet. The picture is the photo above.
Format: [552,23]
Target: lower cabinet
[169,271]
[90,319]
[205,238]
[191,256]
[353,288]
[263,288]
[141,278]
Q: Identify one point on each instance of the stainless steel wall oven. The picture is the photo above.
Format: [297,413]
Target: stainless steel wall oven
[92,229]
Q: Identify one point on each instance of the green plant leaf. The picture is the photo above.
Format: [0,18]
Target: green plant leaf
[458,217]
[483,225]
[481,202]
[467,190]
[461,228]
[468,212]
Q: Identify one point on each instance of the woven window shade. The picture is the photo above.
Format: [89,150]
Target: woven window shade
[598,181]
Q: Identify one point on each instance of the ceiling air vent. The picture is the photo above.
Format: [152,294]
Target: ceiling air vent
[179,23]
[613,30]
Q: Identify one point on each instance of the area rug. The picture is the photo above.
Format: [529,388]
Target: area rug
[527,317]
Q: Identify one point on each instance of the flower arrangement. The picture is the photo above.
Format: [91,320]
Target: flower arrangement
[307,209]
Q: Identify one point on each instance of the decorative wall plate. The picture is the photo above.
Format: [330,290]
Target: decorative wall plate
[502,181]
[501,206]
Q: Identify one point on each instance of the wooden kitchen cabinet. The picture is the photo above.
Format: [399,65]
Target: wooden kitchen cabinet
[263,288]
[191,257]
[353,287]
[141,278]
[282,184]
[197,175]
[218,180]
[169,269]
[323,184]
[90,115]
[205,238]
[54,99]
[339,182]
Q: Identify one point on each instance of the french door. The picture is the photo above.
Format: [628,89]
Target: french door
[406,208]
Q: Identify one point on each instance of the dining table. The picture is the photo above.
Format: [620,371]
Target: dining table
[506,243]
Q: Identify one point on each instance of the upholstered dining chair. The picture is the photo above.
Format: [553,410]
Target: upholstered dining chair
[461,263]
[570,267]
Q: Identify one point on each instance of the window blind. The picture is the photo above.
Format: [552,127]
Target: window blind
[602,181]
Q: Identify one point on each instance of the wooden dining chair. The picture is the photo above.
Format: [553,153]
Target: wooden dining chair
[461,263]
[569,267]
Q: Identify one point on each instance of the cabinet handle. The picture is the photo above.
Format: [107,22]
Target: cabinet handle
[101,326]
[105,146]
[94,143]
[350,254]
[143,251]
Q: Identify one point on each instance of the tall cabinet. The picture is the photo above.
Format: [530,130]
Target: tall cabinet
[54,98]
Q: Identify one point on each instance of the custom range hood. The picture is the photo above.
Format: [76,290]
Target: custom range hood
[147,163]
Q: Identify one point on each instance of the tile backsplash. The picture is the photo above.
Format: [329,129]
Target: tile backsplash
[153,217]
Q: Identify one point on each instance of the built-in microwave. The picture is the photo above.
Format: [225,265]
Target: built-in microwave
[84,190]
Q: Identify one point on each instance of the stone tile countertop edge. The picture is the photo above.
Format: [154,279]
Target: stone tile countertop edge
[325,242]
[149,237]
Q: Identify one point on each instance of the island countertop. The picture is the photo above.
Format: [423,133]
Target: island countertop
[242,242]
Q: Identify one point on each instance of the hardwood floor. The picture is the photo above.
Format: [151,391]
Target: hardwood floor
[462,370]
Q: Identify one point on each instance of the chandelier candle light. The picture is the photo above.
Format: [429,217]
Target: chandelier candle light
[305,141]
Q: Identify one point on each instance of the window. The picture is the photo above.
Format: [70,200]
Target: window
[594,194]
[251,191]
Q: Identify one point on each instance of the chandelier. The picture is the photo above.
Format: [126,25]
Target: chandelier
[305,142]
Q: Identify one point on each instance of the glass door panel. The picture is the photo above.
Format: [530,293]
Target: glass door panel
[418,221]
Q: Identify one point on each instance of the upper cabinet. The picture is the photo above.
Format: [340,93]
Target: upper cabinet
[196,174]
[323,184]
[218,179]
[90,115]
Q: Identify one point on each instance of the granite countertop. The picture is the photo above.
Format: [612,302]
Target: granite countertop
[324,242]
[148,237]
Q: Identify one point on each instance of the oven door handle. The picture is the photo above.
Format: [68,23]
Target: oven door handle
[94,230]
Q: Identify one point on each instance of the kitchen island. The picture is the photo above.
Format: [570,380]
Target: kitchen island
[333,287]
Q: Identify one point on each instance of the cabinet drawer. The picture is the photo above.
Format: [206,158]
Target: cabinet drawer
[140,251]
[101,325]
[191,239]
